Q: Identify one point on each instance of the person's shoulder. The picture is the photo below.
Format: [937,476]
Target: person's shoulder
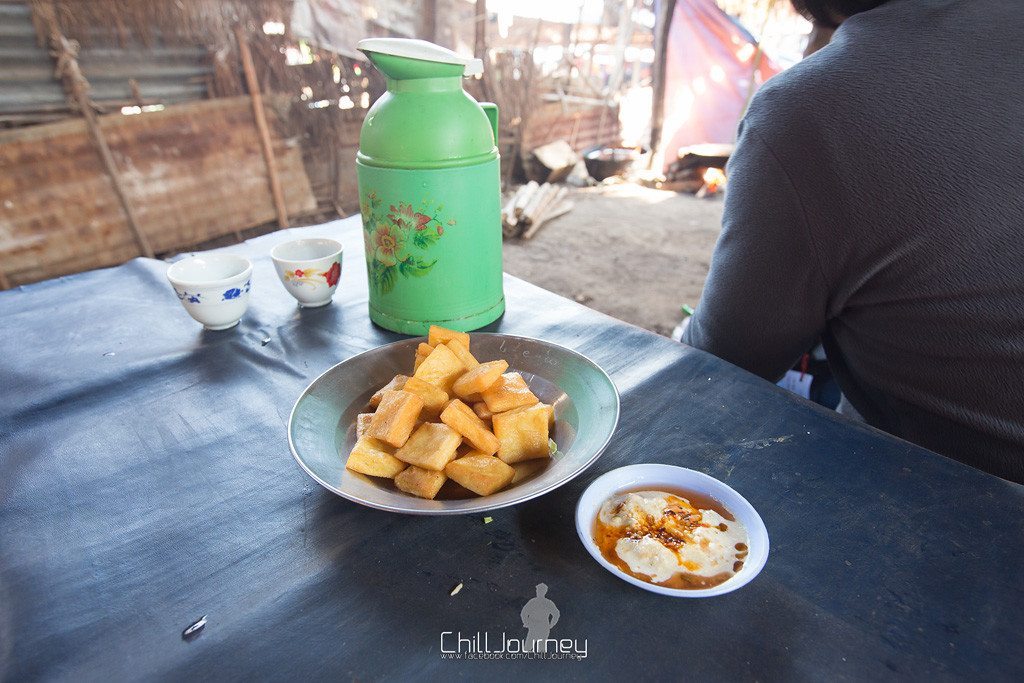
[805,90]
[816,98]
[868,53]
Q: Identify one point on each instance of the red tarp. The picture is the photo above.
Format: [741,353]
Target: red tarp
[709,66]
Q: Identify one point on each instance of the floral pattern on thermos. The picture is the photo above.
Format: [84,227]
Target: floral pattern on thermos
[391,233]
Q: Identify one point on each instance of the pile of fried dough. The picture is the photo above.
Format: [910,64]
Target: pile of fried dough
[454,418]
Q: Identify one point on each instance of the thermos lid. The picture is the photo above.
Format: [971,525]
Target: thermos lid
[420,49]
[425,120]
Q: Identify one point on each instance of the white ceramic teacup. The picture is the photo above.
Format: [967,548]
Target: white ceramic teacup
[213,288]
[309,269]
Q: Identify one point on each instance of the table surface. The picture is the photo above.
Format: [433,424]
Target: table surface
[145,481]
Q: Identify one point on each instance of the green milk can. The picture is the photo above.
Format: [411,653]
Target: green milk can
[429,192]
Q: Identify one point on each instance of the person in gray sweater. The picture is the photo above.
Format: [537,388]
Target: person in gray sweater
[876,202]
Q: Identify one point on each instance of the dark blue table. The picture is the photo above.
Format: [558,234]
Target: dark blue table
[145,481]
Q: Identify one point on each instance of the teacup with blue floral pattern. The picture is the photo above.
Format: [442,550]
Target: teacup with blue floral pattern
[213,288]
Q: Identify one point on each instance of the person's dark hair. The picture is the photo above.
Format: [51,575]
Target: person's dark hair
[832,12]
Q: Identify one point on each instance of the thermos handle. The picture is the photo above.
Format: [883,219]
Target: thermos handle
[491,109]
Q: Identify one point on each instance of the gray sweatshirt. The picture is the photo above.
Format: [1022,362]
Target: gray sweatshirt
[876,200]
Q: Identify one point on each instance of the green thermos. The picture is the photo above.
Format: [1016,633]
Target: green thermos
[430,192]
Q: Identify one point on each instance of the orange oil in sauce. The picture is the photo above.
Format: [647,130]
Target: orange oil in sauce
[606,537]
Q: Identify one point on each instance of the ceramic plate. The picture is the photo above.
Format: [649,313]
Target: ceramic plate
[321,430]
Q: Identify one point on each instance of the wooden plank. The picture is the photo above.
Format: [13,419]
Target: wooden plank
[193,172]
[551,214]
[537,199]
[553,198]
[77,88]
[508,212]
[523,198]
[577,122]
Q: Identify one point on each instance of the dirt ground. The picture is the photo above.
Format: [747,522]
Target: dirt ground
[632,252]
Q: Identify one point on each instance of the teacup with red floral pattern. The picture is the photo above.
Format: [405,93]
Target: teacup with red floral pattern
[309,269]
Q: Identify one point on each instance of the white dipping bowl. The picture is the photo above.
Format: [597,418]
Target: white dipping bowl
[656,477]
[309,269]
[213,288]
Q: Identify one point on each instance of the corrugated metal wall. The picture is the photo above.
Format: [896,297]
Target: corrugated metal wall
[28,86]
[26,70]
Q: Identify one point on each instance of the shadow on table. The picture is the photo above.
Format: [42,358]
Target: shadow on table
[405,567]
[317,328]
[400,564]
[255,343]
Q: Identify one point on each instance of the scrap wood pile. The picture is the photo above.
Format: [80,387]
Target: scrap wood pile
[699,169]
[532,206]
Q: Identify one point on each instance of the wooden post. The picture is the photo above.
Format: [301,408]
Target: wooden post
[77,87]
[755,65]
[662,24]
[527,102]
[622,41]
[261,126]
[136,93]
[430,20]
[480,45]
[570,56]
[96,133]
[480,29]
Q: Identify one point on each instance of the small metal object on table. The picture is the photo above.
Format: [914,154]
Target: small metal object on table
[145,479]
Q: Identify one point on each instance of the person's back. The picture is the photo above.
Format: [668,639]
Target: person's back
[877,198]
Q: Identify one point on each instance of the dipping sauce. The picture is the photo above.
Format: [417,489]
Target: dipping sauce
[674,539]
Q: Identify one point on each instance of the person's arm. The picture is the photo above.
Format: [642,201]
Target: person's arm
[765,299]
